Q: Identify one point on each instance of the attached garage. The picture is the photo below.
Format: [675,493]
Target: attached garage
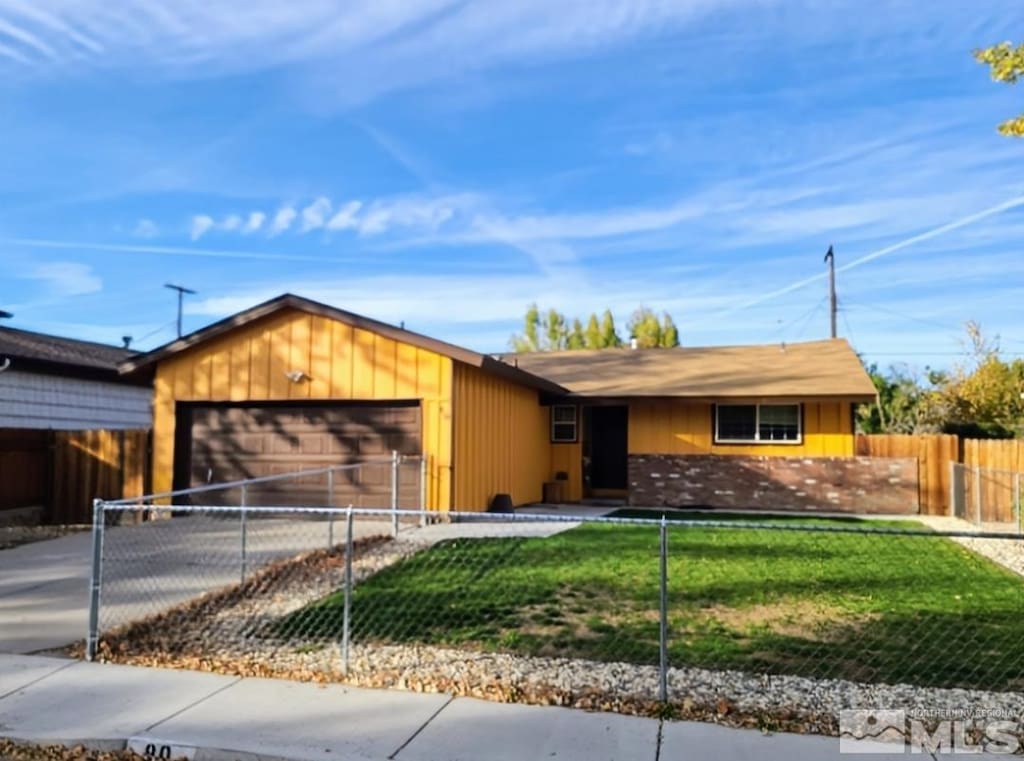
[292,384]
[230,442]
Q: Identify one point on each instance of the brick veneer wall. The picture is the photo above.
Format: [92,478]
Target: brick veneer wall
[838,484]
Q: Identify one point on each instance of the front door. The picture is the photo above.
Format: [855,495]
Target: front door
[606,445]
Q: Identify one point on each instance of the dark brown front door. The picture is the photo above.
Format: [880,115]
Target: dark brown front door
[233,442]
[606,443]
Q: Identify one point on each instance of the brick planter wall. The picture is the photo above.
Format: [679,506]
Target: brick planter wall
[836,484]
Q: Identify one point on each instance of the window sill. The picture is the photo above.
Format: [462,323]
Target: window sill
[759,442]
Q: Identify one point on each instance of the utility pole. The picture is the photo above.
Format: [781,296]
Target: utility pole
[830,257]
[182,290]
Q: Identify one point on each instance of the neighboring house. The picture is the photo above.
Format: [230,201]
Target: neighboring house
[49,382]
[292,384]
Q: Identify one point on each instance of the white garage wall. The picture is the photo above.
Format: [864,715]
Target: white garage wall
[35,400]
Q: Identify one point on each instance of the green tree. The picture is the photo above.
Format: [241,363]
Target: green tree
[577,339]
[552,331]
[529,339]
[904,405]
[595,339]
[644,327]
[669,332]
[1006,64]
[610,338]
[556,330]
[984,397]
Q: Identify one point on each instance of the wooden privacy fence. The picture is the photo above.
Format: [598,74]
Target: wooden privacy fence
[991,479]
[987,476]
[63,471]
[934,452]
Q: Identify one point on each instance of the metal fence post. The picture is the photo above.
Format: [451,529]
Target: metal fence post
[663,629]
[95,581]
[952,489]
[245,531]
[345,626]
[1016,501]
[394,492]
[977,493]
[423,490]
[330,503]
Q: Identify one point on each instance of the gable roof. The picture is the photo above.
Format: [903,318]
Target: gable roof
[812,370]
[40,351]
[290,301]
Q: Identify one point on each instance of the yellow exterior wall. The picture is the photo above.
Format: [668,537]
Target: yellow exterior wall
[502,445]
[249,364]
[677,427]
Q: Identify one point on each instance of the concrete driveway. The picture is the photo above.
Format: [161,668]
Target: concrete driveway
[44,586]
[44,593]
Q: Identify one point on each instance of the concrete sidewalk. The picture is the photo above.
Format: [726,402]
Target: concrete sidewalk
[207,716]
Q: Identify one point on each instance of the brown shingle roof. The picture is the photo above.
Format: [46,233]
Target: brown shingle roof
[485,362]
[815,369]
[40,347]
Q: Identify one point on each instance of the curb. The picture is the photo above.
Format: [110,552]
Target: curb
[151,747]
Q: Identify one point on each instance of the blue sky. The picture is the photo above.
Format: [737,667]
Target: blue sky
[446,163]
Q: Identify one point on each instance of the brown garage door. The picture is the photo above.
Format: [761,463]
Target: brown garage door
[228,443]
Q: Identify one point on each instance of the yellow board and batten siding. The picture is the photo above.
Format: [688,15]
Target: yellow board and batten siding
[502,445]
[666,426]
[343,362]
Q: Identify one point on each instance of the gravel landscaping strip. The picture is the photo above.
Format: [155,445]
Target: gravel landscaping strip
[1009,553]
[234,631]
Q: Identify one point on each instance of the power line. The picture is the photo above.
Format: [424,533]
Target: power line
[810,319]
[152,333]
[846,324]
[902,315]
[927,235]
[799,318]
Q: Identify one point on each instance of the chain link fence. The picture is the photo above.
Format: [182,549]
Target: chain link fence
[987,497]
[624,612]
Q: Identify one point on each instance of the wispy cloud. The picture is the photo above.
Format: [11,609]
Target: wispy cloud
[190,251]
[200,225]
[282,220]
[254,222]
[315,215]
[66,278]
[398,43]
[417,213]
[346,217]
[145,228]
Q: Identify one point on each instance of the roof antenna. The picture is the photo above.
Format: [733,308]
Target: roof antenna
[127,341]
[182,290]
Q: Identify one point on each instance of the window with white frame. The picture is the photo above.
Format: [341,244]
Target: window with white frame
[757,423]
[563,423]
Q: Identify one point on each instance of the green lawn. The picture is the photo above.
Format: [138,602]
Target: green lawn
[918,609]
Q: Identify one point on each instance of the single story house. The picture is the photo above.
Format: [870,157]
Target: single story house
[292,384]
[55,383]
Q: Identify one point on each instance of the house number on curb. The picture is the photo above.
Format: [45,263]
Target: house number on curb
[149,748]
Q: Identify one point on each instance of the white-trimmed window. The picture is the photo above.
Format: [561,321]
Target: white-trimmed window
[758,423]
[563,423]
